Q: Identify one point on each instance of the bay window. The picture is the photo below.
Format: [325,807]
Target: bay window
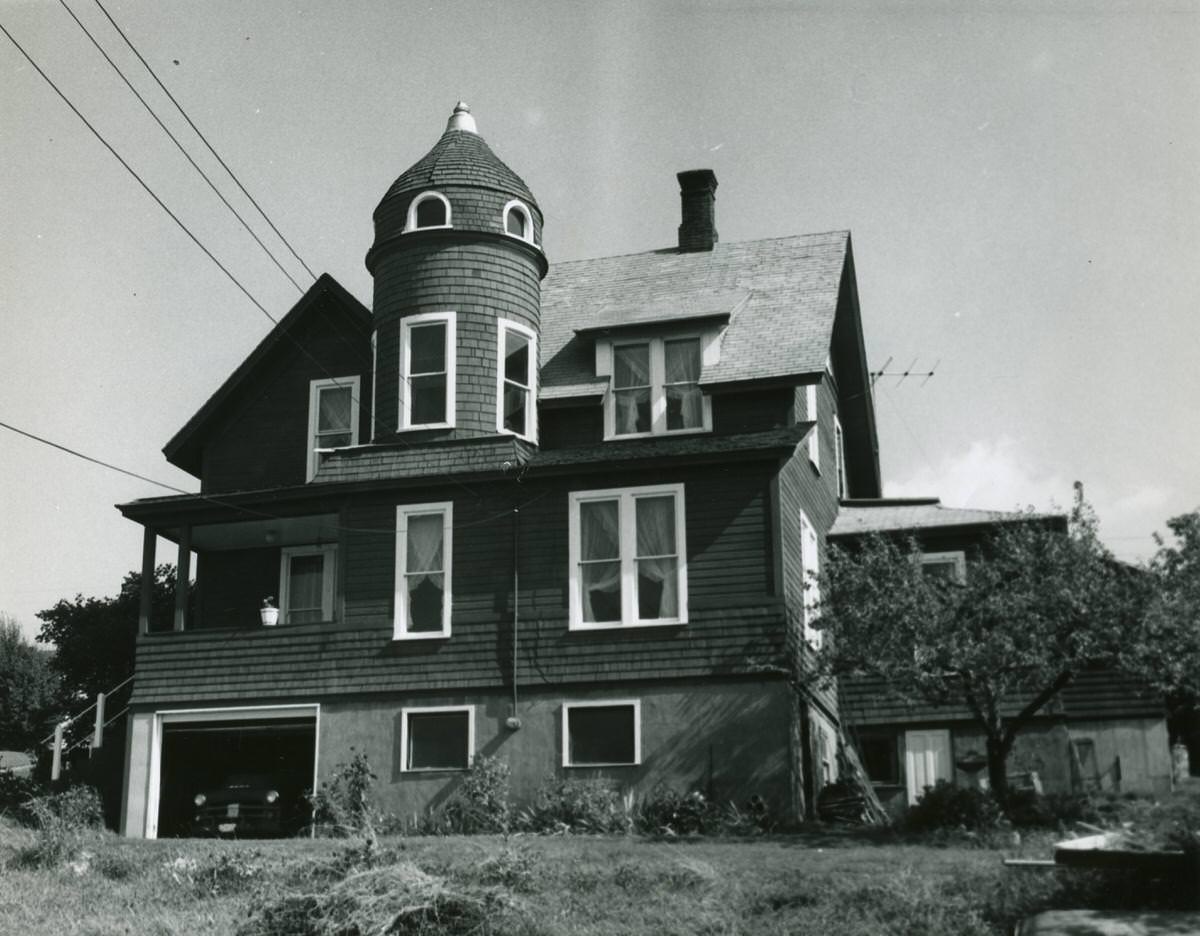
[628,557]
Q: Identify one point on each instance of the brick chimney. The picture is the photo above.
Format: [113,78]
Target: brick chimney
[697,192]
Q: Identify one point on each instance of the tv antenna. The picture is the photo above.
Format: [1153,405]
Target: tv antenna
[903,375]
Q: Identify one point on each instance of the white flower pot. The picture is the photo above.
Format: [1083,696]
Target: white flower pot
[270,616]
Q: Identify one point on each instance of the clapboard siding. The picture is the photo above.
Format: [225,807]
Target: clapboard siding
[261,440]
[735,616]
[1093,694]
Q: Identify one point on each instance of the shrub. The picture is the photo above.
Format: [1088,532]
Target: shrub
[946,806]
[15,792]
[63,822]
[480,804]
[343,805]
[667,812]
[574,804]
[1028,809]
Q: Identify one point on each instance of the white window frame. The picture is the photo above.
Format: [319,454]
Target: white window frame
[957,557]
[374,380]
[658,393]
[839,456]
[504,326]
[517,205]
[811,413]
[400,629]
[810,570]
[627,520]
[410,223]
[406,766]
[328,578]
[406,326]
[602,703]
[315,387]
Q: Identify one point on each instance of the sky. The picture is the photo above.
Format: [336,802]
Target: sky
[1021,180]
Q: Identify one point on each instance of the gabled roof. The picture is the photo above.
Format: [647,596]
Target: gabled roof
[781,296]
[183,450]
[889,515]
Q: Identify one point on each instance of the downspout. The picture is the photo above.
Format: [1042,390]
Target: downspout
[513,722]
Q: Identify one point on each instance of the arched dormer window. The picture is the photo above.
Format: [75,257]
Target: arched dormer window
[428,210]
[518,222]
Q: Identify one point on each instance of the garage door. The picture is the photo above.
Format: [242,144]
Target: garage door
[235,764]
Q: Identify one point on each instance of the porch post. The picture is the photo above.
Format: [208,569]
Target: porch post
[183,572]
[149,542]
[98,733]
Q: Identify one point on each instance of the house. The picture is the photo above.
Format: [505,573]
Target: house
[561,513]
[1104,731]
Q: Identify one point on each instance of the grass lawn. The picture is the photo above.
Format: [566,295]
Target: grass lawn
[809,883]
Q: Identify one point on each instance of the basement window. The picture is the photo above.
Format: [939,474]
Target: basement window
[602,734]
[428,210]
[437,738]
[945,566]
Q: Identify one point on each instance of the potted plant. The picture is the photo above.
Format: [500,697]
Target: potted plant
[268,612]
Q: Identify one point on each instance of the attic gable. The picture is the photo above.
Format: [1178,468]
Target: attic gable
[326,299]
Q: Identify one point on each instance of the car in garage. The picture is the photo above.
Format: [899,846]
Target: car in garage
[246,805]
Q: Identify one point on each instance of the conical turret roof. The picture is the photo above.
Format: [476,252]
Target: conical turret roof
[460,157]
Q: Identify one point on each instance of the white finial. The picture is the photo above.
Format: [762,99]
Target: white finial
[461,119]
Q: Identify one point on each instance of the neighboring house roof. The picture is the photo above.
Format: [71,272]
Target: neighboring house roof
[780,295]
[891,514]
[15,761]
[184,448]
[460,157]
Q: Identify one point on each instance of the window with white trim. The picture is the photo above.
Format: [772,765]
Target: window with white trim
[947,566]
[810,568]
[656,388]
[516,372]
[332,417]
[602,734]
[428,210]
[374,379]
[814,434]
[437,737]
[427,371]
[424,550]
[839,455]
[518,222]
[306,575]
[628,556]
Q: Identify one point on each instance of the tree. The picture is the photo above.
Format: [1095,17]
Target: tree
[1173,613]
[95,637]
[28,688]
[1038,605]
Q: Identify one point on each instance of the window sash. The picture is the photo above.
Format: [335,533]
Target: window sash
[431,738]
[810,564]
[322,435]
[423,572]
[650,569]
[656,405]
[516,373]
[427,389]
[297,606]
[602,749]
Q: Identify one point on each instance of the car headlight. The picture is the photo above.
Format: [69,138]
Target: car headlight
[200,799]
[272,796]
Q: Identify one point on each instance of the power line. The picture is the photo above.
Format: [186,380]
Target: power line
[203,138]
[133,172]
[179,146]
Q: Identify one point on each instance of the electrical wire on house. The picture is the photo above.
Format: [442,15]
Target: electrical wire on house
[186,155]
[204,139]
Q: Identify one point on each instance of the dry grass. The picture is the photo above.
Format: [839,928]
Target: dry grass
[812,883]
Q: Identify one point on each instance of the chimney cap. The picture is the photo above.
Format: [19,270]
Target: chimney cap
[691,180]
[461,119]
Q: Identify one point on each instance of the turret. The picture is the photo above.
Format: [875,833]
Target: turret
[458,264]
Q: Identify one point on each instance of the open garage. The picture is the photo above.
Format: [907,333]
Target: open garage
[250,773]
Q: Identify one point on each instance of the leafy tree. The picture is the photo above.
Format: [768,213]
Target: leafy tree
[1173,614]
[28,687]
[1039,604]
[95,637]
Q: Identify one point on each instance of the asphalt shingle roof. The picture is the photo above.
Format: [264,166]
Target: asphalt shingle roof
[780,294]
[886,516]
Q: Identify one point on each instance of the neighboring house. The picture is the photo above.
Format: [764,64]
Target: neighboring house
[1103,732]
[560,513]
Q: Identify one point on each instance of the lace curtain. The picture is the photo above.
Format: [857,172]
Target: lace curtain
[631,388]
[600,565]
[657,560]
[684,399]
[424,572]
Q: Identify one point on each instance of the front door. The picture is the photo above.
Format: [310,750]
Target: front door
[926,760]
